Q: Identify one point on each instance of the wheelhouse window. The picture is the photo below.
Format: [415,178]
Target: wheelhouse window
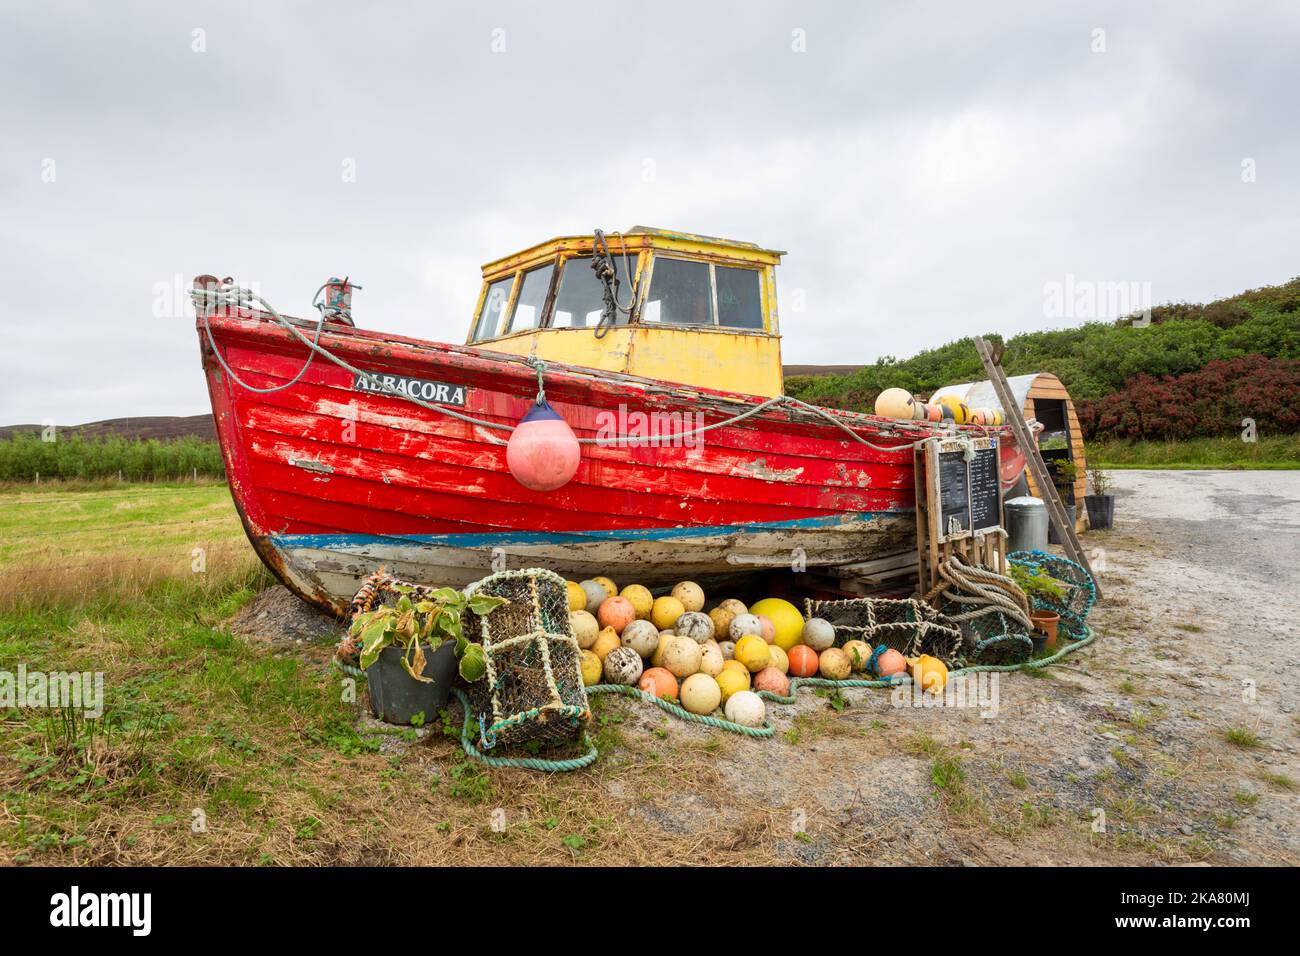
[740,302]
[680,293]
[580,298]
[527,313]
[684,292]
[494,308]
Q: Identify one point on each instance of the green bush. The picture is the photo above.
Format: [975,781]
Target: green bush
[23,457]
[1093,360]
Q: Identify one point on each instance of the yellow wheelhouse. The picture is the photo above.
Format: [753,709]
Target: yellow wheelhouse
[690,309]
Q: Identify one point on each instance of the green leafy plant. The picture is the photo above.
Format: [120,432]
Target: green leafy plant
[1036,582]
[416,625]
[1064,472]
[1100,480]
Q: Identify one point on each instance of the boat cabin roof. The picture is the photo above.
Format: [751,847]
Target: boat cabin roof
[665,279]
[693,309]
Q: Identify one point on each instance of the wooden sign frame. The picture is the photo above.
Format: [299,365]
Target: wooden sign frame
[932,449]
[985,546]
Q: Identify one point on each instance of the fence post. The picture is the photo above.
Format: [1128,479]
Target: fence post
[38,477]
[196,476]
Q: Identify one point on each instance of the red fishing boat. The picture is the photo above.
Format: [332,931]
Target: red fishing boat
[348,449]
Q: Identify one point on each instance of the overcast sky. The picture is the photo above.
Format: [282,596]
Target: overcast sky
[931,168]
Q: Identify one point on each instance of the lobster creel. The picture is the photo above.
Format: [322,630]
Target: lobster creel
[533,688]
[908,626]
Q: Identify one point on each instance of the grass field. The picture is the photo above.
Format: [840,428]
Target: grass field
[1268,452]
[60,545]
[215,750]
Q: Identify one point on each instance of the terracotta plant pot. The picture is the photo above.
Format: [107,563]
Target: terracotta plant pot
[1045,623]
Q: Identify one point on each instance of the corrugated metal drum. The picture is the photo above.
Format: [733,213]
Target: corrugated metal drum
[1027,523]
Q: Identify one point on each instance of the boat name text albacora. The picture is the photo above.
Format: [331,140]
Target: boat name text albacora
[411,387]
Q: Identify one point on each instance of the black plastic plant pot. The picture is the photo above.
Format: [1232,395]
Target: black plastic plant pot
[1101,511]
[1071,512]
[396,697]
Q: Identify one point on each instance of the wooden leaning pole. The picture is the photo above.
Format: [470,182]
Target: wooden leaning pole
[992,359]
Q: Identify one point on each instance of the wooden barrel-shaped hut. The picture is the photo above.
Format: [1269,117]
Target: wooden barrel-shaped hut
[1042,396]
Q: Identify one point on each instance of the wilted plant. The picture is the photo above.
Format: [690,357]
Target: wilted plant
[415,625]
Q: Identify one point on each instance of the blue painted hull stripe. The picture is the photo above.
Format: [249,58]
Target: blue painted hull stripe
[328,542]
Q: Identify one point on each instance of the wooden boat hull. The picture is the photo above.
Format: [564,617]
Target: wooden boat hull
[333,480]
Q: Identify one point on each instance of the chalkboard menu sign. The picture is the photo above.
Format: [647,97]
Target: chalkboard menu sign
[954,493]
[985,489]
[965,493]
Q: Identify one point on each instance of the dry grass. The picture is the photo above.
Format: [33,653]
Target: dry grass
[54,582]
[62,547]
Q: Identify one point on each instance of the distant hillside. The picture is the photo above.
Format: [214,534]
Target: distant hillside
[1116,370]
[815,370]
[162,428]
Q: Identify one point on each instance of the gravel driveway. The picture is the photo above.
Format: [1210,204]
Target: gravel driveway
[1171,739]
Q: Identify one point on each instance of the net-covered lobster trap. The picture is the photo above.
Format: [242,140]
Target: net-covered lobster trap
[908,626]
[1079,593]
[533,688]
[990,636]
[987,608]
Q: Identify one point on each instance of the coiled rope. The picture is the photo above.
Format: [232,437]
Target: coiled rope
[965,583]
[206,299]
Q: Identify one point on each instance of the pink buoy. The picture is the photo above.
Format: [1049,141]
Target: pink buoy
[890,663]
[543,453]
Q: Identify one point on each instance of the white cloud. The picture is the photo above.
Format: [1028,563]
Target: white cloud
[928,167]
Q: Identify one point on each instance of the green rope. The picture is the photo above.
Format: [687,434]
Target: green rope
[797,682]
[767,730]
[527,763]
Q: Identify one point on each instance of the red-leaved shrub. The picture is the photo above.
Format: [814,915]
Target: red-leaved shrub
[1210,401]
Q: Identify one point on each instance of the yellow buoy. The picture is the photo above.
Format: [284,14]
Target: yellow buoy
[732,680]
[929,673]
[752,651]
[896,403]
[960,410]
[641,598]
[577,596]
[785,618]
[591,668]
[665,611]
[606,641]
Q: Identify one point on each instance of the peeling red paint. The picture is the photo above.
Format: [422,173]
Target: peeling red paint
[321,457]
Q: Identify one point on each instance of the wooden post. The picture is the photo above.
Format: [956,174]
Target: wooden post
[1038,468]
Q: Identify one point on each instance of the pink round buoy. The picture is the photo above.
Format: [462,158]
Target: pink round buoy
[890,663]
[543,452]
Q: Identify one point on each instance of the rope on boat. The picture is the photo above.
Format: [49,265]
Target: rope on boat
[238,296]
